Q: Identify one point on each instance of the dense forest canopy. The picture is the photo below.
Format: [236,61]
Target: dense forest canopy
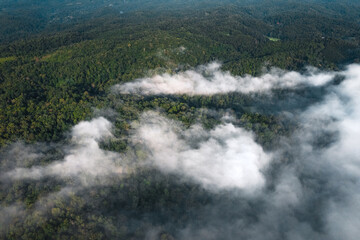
[201,119]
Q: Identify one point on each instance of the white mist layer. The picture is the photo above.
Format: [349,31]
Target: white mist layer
[316,194]
[340,112]
[225,157]
[85,160]
[209,79]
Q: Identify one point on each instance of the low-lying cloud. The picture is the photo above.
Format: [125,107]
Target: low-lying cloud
[314,191]
[308,189]
[84,159]
[210,79]
[223,158]
[339,162]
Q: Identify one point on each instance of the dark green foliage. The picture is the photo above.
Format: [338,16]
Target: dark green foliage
[53,75]
[50,82]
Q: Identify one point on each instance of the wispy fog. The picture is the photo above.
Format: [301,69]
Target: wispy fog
[222,158]
[308,188]
[84,159]
[209,79]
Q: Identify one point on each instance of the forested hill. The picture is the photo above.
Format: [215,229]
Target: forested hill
[62,63]
[77,61]
[22,18]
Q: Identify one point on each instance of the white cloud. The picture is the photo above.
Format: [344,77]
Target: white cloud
[339,113]
[314,192]
[84,160]
[209,79]
[225,157]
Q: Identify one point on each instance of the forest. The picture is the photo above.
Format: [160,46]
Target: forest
[95,142]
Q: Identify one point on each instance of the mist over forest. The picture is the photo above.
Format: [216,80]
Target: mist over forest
[179,120]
